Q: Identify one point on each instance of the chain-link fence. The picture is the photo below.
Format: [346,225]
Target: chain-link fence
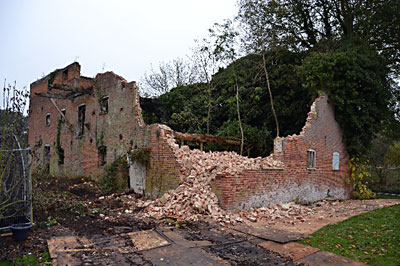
[15,182]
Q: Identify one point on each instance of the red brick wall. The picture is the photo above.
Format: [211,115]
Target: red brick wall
[122,129]
[163,173]
[255,188]
[81,153]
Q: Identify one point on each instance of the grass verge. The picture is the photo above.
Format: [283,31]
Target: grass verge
[371,237]
[386,196]
[29,260]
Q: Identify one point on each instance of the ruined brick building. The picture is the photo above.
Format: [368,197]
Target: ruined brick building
[77,125]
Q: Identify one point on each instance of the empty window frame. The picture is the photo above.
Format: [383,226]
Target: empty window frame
[81,119]
[311,158]
[62,117]
[104,105]
[47,121]
[335,161]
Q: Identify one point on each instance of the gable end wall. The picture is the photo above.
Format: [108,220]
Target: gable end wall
[256,188]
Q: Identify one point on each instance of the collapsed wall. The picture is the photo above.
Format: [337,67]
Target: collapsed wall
[194,198]
[91,122]
[211,180]
[315,166]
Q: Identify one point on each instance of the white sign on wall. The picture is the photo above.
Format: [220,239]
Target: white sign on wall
[335,161]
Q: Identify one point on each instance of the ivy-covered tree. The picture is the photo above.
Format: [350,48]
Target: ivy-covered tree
[356,80]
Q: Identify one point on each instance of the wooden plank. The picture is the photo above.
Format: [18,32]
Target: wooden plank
[148,239]
[206,138]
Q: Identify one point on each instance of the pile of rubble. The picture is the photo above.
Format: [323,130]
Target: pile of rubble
[290,213]
[194,198]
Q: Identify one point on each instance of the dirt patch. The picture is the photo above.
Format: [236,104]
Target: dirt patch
[77,208]
[233,247]
[70,207]
[244,253]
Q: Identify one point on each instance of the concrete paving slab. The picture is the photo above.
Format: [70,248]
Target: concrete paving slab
[270,233]
[325,258]
[174,255]
[147,239]
[179,239]
[61,249]
[294,250]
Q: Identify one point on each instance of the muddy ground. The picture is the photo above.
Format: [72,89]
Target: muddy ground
[79,208]
[65,207]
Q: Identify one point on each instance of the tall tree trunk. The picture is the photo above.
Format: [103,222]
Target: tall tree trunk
[209,108]
[270,94]
[240,120]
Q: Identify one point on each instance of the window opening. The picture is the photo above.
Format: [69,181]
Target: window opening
[104,105]
[81,119]
[47,119]
[311,159]
[64,112]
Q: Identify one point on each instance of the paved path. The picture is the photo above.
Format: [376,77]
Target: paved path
[207,245]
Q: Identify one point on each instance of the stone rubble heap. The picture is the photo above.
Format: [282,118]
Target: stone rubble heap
[194,198]
[291,213]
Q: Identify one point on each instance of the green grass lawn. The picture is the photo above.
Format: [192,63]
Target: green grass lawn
[384,196]
[372,237]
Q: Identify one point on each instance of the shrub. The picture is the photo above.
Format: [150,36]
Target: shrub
[358,176]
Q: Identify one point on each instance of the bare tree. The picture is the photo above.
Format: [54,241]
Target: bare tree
[205,63]
[169,75]
[257,37]
[226,50]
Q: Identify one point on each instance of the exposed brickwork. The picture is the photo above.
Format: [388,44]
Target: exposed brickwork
[255,188]
[119,130]
[163,173]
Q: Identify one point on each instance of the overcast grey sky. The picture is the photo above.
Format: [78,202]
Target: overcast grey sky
[124,36]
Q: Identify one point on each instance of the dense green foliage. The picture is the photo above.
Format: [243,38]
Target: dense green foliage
[348,49]
[370,237]
[116,176]
[355,78]
[304,24]
[140,155]
[392,156]
[185,108]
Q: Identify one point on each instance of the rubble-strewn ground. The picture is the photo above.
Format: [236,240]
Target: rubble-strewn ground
[78,207]
[309,218]
[69,206]
[194,199]
[65,207]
